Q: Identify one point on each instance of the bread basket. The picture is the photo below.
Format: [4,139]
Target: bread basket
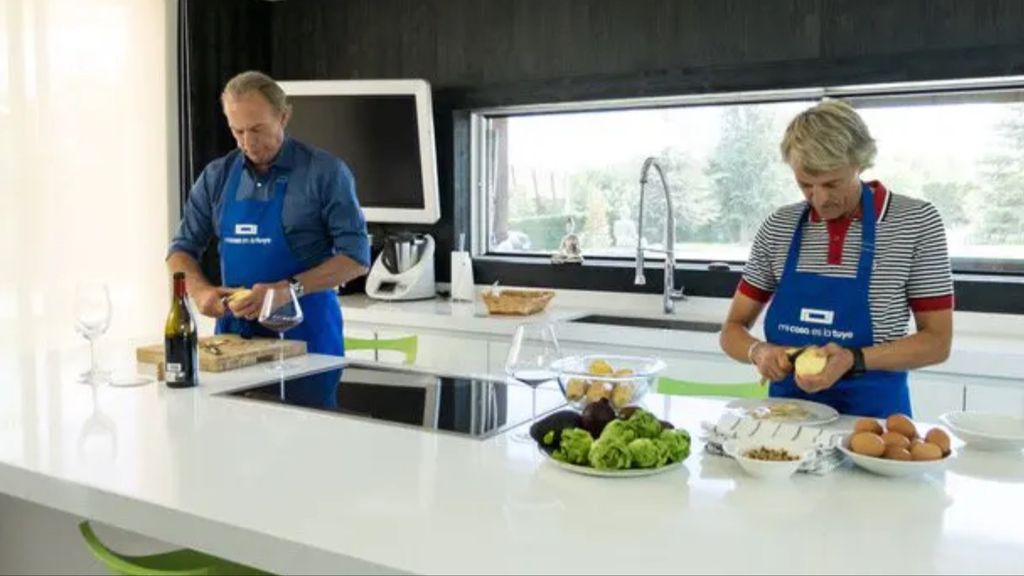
[516,302]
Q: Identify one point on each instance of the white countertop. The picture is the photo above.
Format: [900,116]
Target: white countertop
[987,345]
[295,491]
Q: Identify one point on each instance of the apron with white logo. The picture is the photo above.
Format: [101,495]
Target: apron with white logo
[253,249]
[812,309]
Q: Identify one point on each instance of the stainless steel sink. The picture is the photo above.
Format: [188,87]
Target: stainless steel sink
[663,323]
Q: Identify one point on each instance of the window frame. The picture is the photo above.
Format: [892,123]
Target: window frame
[863,95]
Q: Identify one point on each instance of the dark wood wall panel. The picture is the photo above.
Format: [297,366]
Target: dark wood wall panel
[500,52]
[225,37]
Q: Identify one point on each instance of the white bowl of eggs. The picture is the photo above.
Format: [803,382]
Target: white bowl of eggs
[897,449]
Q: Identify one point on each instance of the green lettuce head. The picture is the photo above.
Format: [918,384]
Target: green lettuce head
[575,446]
[619,430]
[646,453]
[676,443]
[610,454]
[645,424]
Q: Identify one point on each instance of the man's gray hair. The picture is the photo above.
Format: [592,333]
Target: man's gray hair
[828,136]
[258,82]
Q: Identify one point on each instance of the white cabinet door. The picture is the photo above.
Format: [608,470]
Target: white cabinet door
[1002,400]
[448,352]
[498,354]
[708,368]
[932,395]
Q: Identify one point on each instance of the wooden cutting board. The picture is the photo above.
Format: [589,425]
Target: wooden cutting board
[226,352]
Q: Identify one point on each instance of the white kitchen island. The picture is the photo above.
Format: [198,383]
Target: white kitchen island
[290,490]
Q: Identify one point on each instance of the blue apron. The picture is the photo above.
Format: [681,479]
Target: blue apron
[811,309]
[253,249]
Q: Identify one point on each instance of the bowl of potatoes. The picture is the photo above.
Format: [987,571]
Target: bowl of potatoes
[895,447]
[621,380]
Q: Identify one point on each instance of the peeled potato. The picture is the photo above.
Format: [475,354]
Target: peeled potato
[811,362]
[938,437]
[893,452]
[575,389]
[239,294]
[901,424]
[926,451]
[868,425]
[600,368]
[867,443]
[622,395]
[896,439]
[598,391]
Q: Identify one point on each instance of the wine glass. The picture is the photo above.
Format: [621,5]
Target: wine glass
[534,348]
[92,318]
[280,312]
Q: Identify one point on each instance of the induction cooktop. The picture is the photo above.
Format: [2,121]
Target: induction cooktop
[477,407]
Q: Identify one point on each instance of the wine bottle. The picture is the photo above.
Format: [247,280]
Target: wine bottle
[181,346]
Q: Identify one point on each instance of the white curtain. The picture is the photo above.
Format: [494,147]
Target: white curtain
[87,164]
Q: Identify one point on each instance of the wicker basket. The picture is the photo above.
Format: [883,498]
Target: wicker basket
[517,302]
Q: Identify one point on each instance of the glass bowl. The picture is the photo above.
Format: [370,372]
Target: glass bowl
[622,380]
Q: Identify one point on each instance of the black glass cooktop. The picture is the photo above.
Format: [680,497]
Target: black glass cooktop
[475,407]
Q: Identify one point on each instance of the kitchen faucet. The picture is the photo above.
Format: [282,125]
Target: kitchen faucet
[670,294]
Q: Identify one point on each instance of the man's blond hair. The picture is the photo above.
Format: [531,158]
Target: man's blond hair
[828,136]
[253,81]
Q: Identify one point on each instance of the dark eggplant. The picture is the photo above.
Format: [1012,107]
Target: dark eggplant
[596,416]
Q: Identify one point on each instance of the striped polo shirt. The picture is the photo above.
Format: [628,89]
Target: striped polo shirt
[911,271]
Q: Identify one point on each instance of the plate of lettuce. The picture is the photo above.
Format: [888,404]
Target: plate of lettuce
[634,443]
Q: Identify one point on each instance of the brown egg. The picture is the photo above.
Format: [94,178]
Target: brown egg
[926,451]
[867,425]
[938,437]
[896,439]
[867,443]
[901,424]
[893,452]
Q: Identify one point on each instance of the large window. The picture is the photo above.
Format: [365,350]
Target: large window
[958,145]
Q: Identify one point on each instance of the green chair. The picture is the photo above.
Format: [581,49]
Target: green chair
[407,345]
[687,388]
[177,563]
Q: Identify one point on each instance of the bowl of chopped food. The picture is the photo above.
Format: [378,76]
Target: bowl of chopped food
[768,459]
[784,410]
[620,380]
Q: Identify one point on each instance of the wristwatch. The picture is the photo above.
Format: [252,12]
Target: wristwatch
[296,286]
[858,367]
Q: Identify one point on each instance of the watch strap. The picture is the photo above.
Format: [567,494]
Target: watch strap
[858,367]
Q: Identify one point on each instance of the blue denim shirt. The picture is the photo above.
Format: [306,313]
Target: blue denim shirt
[321,215]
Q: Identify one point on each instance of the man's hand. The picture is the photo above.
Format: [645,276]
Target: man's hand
[771,361]
[838,361]
[248,307]
[209,300]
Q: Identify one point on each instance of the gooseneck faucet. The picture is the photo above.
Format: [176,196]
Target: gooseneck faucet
[671,294]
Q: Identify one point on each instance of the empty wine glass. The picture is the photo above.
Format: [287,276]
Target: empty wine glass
[534,348]
[280,312]
[92,318]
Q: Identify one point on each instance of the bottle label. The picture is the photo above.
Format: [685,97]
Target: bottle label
[181,361]
[174,372]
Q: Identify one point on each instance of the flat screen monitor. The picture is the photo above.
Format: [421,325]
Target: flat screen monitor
[384,131]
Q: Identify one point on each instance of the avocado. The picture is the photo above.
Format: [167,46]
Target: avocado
[547,431]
